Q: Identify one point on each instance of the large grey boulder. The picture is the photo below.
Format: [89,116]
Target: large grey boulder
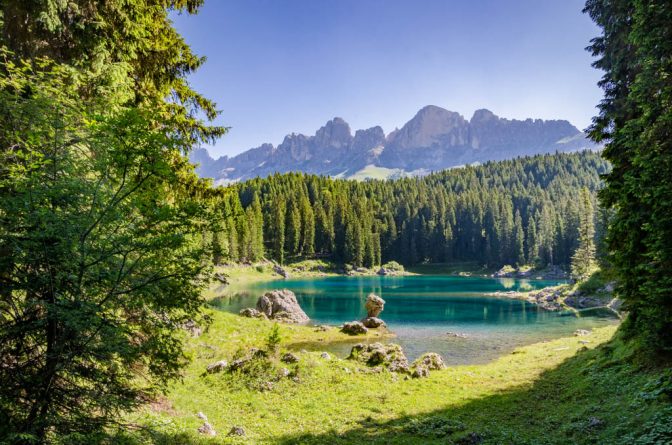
[281,305]
[374,305]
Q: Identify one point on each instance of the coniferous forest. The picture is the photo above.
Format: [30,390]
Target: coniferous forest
[523,211]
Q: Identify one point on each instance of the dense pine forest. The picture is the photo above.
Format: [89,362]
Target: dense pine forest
[522,211]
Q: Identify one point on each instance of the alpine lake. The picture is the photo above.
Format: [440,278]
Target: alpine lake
[454,316]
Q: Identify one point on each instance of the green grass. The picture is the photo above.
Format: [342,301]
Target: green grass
[557,392]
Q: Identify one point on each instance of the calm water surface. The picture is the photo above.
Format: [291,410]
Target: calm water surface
[423,310]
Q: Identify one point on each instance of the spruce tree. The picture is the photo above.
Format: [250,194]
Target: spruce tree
[583,260]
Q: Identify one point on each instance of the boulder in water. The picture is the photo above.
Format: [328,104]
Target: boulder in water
[374,305]
[281,305]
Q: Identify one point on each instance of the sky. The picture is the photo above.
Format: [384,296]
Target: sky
[280,66]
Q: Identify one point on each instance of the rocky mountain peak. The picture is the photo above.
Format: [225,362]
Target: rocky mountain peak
[483,115]
[335,133]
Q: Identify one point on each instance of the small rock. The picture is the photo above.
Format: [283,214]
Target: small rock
[280,271]
[382,271]
[216,367]
[594,422]
[251,312]
[284,372]
[289,358]
[430,360]
[325,356]
[584,342]
[237,431]
[581,332]
[372,322]
[266,386]
[354,328]
[321,328]
[202,416]
[192,328]
[207,429]
[420,372]
[221,278]
[456,334]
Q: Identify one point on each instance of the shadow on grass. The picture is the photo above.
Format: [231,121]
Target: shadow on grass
[594,397]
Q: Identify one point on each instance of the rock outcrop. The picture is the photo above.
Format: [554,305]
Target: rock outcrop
[281,305]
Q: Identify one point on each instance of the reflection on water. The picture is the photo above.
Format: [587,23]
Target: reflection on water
[422,310]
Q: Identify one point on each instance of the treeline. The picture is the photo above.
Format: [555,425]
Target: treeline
[509,212]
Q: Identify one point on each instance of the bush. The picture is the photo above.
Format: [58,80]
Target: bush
[393,266]
[592,284]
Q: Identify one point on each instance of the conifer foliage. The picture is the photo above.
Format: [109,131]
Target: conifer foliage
[510,212]
[635,120]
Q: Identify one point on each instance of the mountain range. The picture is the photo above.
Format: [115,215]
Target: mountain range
[434,139]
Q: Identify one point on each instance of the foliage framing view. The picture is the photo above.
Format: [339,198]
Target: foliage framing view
[106,234]
[99,210]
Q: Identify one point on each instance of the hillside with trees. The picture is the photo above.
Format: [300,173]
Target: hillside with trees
[522,211]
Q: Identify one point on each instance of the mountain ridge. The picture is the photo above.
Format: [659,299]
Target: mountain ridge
[434,139]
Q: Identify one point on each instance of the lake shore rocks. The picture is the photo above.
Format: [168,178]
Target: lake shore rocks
[372,322]
[282,306]
[354,328]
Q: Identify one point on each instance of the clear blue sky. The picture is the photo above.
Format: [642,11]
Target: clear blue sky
[281,66]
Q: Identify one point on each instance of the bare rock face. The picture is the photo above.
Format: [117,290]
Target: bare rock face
[354,328]
[281,305]
[374,305]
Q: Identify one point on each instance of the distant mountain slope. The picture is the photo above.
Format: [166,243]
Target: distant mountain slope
[433,139]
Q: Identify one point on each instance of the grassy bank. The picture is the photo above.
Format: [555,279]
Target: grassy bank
[555,392]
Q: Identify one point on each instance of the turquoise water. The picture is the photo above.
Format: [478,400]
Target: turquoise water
[423,310]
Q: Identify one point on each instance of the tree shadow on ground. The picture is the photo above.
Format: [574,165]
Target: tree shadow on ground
[594,397]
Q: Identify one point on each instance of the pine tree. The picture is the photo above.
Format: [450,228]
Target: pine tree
[583,260]
[519,240]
